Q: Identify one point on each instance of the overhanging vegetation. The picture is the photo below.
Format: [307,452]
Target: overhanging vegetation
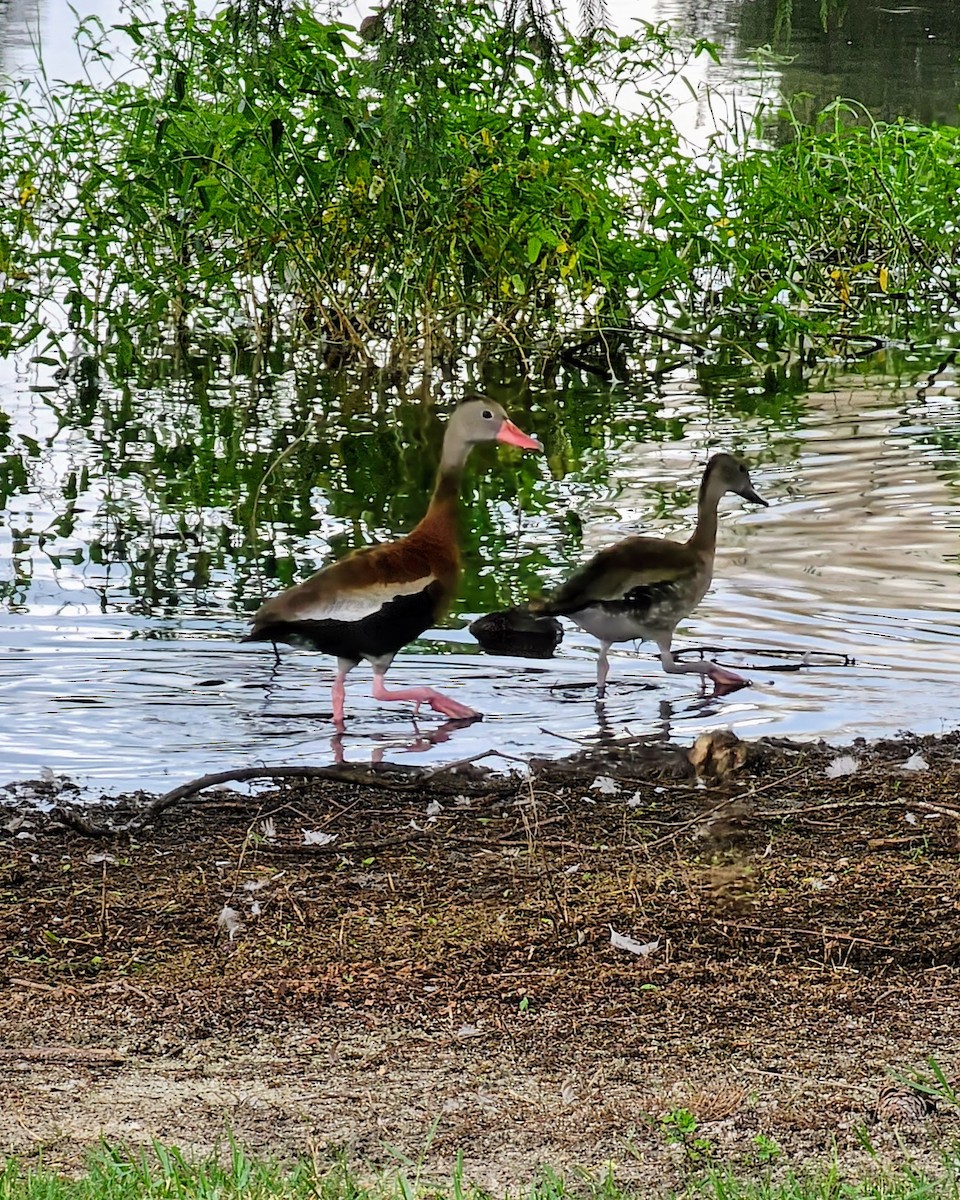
[407,211]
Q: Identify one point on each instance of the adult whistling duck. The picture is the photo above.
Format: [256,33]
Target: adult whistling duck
[368,605]
[641,588]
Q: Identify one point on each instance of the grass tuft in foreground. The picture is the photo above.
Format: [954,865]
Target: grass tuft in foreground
[113,1175]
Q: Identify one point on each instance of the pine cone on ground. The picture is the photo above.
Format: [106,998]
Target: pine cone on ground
[898,1104]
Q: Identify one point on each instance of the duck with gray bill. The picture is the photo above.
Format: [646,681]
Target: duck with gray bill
[641,588]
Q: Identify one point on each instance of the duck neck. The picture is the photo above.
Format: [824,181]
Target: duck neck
[446,491]
[704,537]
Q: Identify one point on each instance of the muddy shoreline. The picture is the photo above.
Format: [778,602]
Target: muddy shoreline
[390,964]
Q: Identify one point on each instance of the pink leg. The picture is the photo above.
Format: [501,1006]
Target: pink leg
[344,665]
[724,681]
[603,667]
[423,695]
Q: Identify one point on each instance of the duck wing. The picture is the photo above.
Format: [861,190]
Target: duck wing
[637,571]
[360,586]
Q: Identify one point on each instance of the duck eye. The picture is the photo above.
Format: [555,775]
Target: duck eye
[487,414]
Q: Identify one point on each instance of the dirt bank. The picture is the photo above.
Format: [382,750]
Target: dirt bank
[385,964]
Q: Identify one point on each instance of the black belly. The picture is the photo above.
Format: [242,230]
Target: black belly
[376,636]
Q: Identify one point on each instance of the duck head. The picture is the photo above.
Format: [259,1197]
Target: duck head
[479,419]
[724,473]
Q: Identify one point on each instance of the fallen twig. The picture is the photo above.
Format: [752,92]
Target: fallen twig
[746,794]
[311,850]
[807,658]
[76,820]
[814,1083]
[465,762]
[891,843]
[927,806]
[70,816]
[857,803]
[851,805]
[56,1054]
[827,935]
[697,820]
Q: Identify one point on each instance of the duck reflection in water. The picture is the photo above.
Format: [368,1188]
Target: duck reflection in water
[422,742]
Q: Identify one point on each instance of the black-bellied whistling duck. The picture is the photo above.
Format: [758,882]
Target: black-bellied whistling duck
[641,588]
[371,603]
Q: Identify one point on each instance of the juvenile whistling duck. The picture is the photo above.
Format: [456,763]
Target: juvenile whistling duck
[371,603]
[641,588]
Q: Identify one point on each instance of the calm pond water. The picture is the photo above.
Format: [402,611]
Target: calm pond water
[897,59]
[131,549]
[128,563]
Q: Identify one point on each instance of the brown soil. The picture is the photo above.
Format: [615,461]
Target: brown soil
[441,976]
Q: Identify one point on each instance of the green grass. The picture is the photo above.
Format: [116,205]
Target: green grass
[114,1175]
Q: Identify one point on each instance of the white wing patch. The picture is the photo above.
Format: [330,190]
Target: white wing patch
[361,602]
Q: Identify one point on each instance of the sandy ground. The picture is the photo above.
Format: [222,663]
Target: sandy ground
[394,967]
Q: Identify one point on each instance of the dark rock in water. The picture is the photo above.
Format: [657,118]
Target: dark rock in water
[517,632]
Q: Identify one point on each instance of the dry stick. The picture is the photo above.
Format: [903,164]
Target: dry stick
[74,820]
[684,825]
[464,762]
[69,816]
[57,1054]
[890,843]
[856,803]
[397,839]
[840,659]
[839,805]
[845,805]
[826,935]
[935,808]
[772,1074]
[103,905]
[566,737]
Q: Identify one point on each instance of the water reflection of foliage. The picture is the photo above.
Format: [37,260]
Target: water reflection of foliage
[162,489]
[155,508]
